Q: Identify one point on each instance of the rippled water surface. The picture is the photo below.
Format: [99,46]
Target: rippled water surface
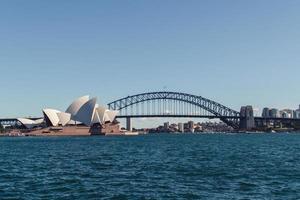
[162,166]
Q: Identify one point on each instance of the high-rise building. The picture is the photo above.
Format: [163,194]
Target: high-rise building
[284,114]
[297,113]
[274,113]
[287,113]
[180,127]
[266,113]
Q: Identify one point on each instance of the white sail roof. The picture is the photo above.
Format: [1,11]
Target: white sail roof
[28,123]
[76,105]
[64,118]
[39,121]
[106,117]
[82,111]
[86,112]
[51,115]
[112,114]
[103,115]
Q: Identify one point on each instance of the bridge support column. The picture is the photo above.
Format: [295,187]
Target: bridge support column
[128,124]
[247,118]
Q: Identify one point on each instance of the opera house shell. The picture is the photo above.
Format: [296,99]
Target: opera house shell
[83,110]
[29,124]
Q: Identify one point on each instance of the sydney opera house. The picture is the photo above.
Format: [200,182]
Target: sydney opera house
[83,117]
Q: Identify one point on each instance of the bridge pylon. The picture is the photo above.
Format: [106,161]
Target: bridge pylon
[128,124]
[247,121]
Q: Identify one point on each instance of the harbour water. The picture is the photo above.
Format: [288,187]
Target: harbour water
[165,166]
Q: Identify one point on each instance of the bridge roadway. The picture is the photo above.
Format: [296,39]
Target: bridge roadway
[178,116]
[210,117]
[8,120]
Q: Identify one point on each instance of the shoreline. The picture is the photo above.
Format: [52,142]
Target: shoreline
[20,134]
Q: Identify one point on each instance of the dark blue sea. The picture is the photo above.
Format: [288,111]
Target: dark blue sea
[165,166]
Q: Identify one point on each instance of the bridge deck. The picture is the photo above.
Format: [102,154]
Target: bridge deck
[178,116]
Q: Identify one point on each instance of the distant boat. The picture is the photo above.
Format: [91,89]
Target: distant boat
[122,134]
[16,134]
[131,133]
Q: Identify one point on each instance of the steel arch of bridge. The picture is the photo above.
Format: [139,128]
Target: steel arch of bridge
[227,115]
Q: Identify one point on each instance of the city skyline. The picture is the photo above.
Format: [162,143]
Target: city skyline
[236,53]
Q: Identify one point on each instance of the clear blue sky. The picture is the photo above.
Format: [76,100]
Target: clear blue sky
[234,52]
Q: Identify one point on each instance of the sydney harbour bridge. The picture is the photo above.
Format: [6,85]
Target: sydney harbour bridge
[177,105]
[182,105]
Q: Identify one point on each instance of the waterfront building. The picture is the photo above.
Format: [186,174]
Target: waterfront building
[297,113]
[274,113]
[180,127]
[294,114]
[266,113]
[166,126]
[191,126]
[284,114]
[82,111]
[287,113]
